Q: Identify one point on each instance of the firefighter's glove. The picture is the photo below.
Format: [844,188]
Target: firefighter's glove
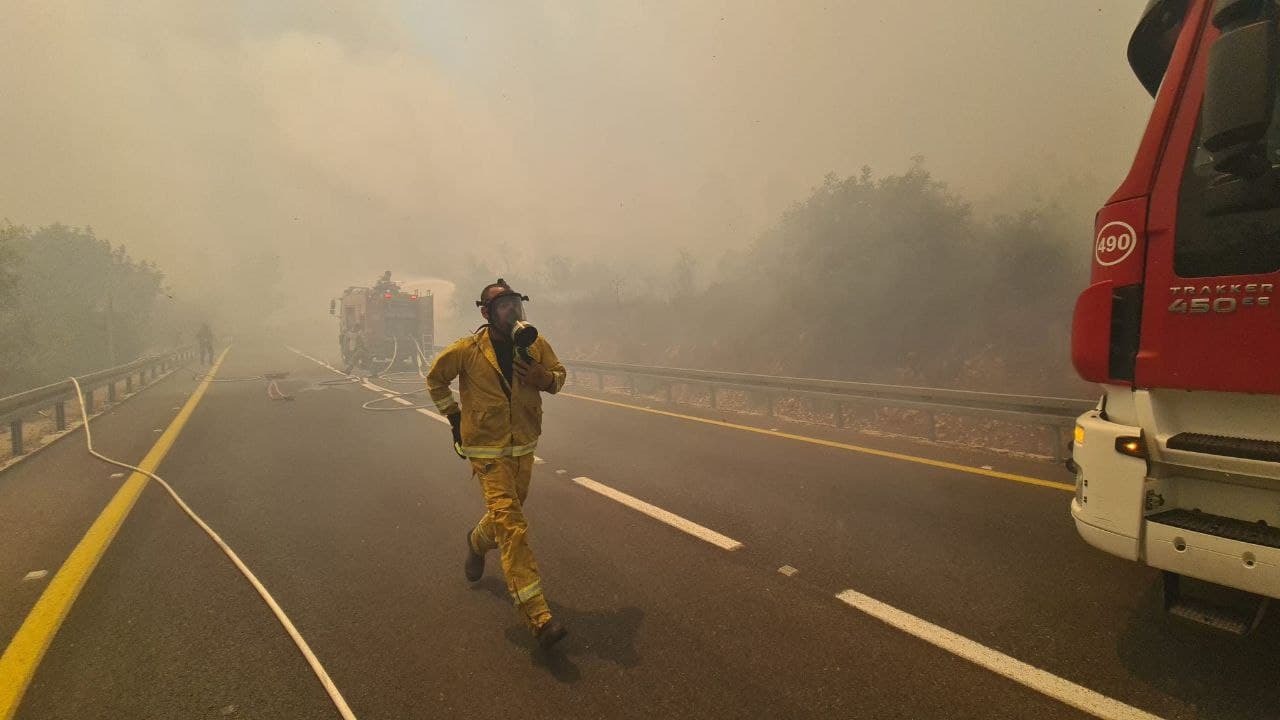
[534,373]
[455,422]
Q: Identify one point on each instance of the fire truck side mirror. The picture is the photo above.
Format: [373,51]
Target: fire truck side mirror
[1240,89]
[333,307]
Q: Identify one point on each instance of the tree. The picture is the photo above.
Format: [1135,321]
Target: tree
[889,279]
[13,363]
[683,277]
[78,304]
[10,237]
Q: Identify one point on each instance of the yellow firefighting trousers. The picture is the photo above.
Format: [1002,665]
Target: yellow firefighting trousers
[505,483]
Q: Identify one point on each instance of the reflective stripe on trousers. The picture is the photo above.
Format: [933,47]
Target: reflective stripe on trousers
[489,453]
[505,484]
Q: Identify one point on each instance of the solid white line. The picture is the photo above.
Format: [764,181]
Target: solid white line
[314,360]
[1065,691]
[325,680]
[434,416]
[652,511]
[370,386]
[698,531]
[657,513]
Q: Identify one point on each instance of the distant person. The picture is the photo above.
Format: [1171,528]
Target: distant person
[204,337]
[357,355]
[344,345]
[502,370]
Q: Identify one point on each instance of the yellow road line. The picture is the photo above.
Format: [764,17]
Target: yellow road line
[1027,480]
[22,657]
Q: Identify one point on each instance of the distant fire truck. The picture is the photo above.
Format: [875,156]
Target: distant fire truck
[384,328]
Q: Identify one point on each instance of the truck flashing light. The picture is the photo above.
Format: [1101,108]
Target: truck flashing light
[1131,446]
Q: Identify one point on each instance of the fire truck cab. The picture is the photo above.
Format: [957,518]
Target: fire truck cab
[384,328]
[1178,467]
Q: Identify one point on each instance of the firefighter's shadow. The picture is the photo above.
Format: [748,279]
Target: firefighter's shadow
[606,634]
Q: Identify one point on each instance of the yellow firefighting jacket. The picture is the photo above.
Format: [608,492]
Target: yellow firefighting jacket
[497,420]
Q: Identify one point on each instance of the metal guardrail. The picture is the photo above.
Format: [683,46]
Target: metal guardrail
[1052,413]
[1056,415]
[17,408]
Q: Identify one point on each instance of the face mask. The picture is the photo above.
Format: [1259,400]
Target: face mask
[507,311]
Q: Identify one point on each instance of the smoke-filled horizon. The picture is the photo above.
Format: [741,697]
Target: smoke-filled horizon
[336,140]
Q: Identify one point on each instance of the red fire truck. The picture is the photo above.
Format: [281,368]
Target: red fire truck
[1178,467]
[384,328]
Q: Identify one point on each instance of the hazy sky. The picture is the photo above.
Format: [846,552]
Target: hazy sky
[351,136]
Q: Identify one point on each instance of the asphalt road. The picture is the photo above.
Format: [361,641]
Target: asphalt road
[354,522]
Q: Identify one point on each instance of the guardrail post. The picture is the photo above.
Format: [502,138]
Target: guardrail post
[1057,445]
[15,436]
[86,396]
[111,391]
[60,416]
[128,383]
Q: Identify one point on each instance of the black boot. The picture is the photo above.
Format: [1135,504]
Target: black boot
[474,565]
[550,634]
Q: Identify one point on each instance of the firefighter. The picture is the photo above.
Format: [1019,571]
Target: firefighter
[204,337]
[502,370]
[357,354]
